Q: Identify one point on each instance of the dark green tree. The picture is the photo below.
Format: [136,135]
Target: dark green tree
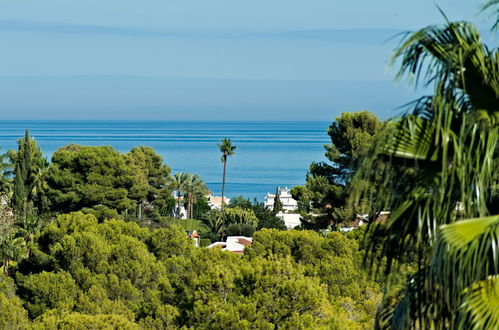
[92,177]
[277,202]
[326,189]
[200,208]
[266,218]
[27,163]
[159,200]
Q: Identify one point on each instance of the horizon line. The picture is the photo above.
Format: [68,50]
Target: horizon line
[163,120]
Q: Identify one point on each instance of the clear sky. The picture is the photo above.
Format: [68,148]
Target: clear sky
[207,59]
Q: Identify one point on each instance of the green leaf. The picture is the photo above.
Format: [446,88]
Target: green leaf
[461,233]
[481,302]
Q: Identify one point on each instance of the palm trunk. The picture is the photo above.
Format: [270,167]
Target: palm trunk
[189,206]
[192,208]
[178,202]
[223,202]
[140,211]
[223,182]
[6,266]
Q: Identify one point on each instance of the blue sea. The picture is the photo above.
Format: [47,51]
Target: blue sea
[268,154]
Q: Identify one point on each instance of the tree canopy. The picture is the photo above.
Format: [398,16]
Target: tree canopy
[326,189]
[86,272]
[102,178]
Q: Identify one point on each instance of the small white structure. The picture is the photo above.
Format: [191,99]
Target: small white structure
[215,202]
[291,220]
[360,220]
[234,244]
[288,203]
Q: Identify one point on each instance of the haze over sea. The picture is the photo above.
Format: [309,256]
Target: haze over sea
[268,154]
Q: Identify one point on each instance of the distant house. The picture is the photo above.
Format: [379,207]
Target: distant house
[234,244]
[288,203]
[362,219]
[215,202]
[383,216]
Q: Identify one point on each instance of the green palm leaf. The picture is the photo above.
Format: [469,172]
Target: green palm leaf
[481,305]
[460,234]
[441,166]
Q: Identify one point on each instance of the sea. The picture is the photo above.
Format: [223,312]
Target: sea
[267,155]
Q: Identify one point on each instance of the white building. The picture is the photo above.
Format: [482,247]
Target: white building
[183,211]
[215,202]
[234,244]
[291,220]
[288,203]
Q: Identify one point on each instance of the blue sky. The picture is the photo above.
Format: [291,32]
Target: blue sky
[207,59]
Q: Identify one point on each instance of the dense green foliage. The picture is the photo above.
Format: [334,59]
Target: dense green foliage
[86,273]
[107,183]
[325,192]
[121,262]
[82,176]
[29,171]
[442,189]
[277,202]
[266,218]
[158,199]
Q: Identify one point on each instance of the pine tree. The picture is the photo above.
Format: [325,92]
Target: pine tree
[277,202]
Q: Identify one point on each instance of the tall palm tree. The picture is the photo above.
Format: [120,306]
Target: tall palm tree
[442,170]
[177,182]
[194,188]
[227,149]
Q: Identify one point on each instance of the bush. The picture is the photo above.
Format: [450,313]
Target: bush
[203,242]
[238,229]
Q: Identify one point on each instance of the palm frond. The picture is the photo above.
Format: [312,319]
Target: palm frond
[440,166]
[458,235]
[493,6]
[481,305]
[455,288]
[452,54]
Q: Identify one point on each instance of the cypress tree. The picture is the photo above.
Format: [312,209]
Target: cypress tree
[277,202]
[23,177]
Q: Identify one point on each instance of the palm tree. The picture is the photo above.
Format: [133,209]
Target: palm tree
[442,170]
[214,221]
[12,248]
[227,149]
[194,188]
[178,182]
[40,170]
[5,172]
[29,228]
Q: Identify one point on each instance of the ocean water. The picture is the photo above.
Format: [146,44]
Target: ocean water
[268,154]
